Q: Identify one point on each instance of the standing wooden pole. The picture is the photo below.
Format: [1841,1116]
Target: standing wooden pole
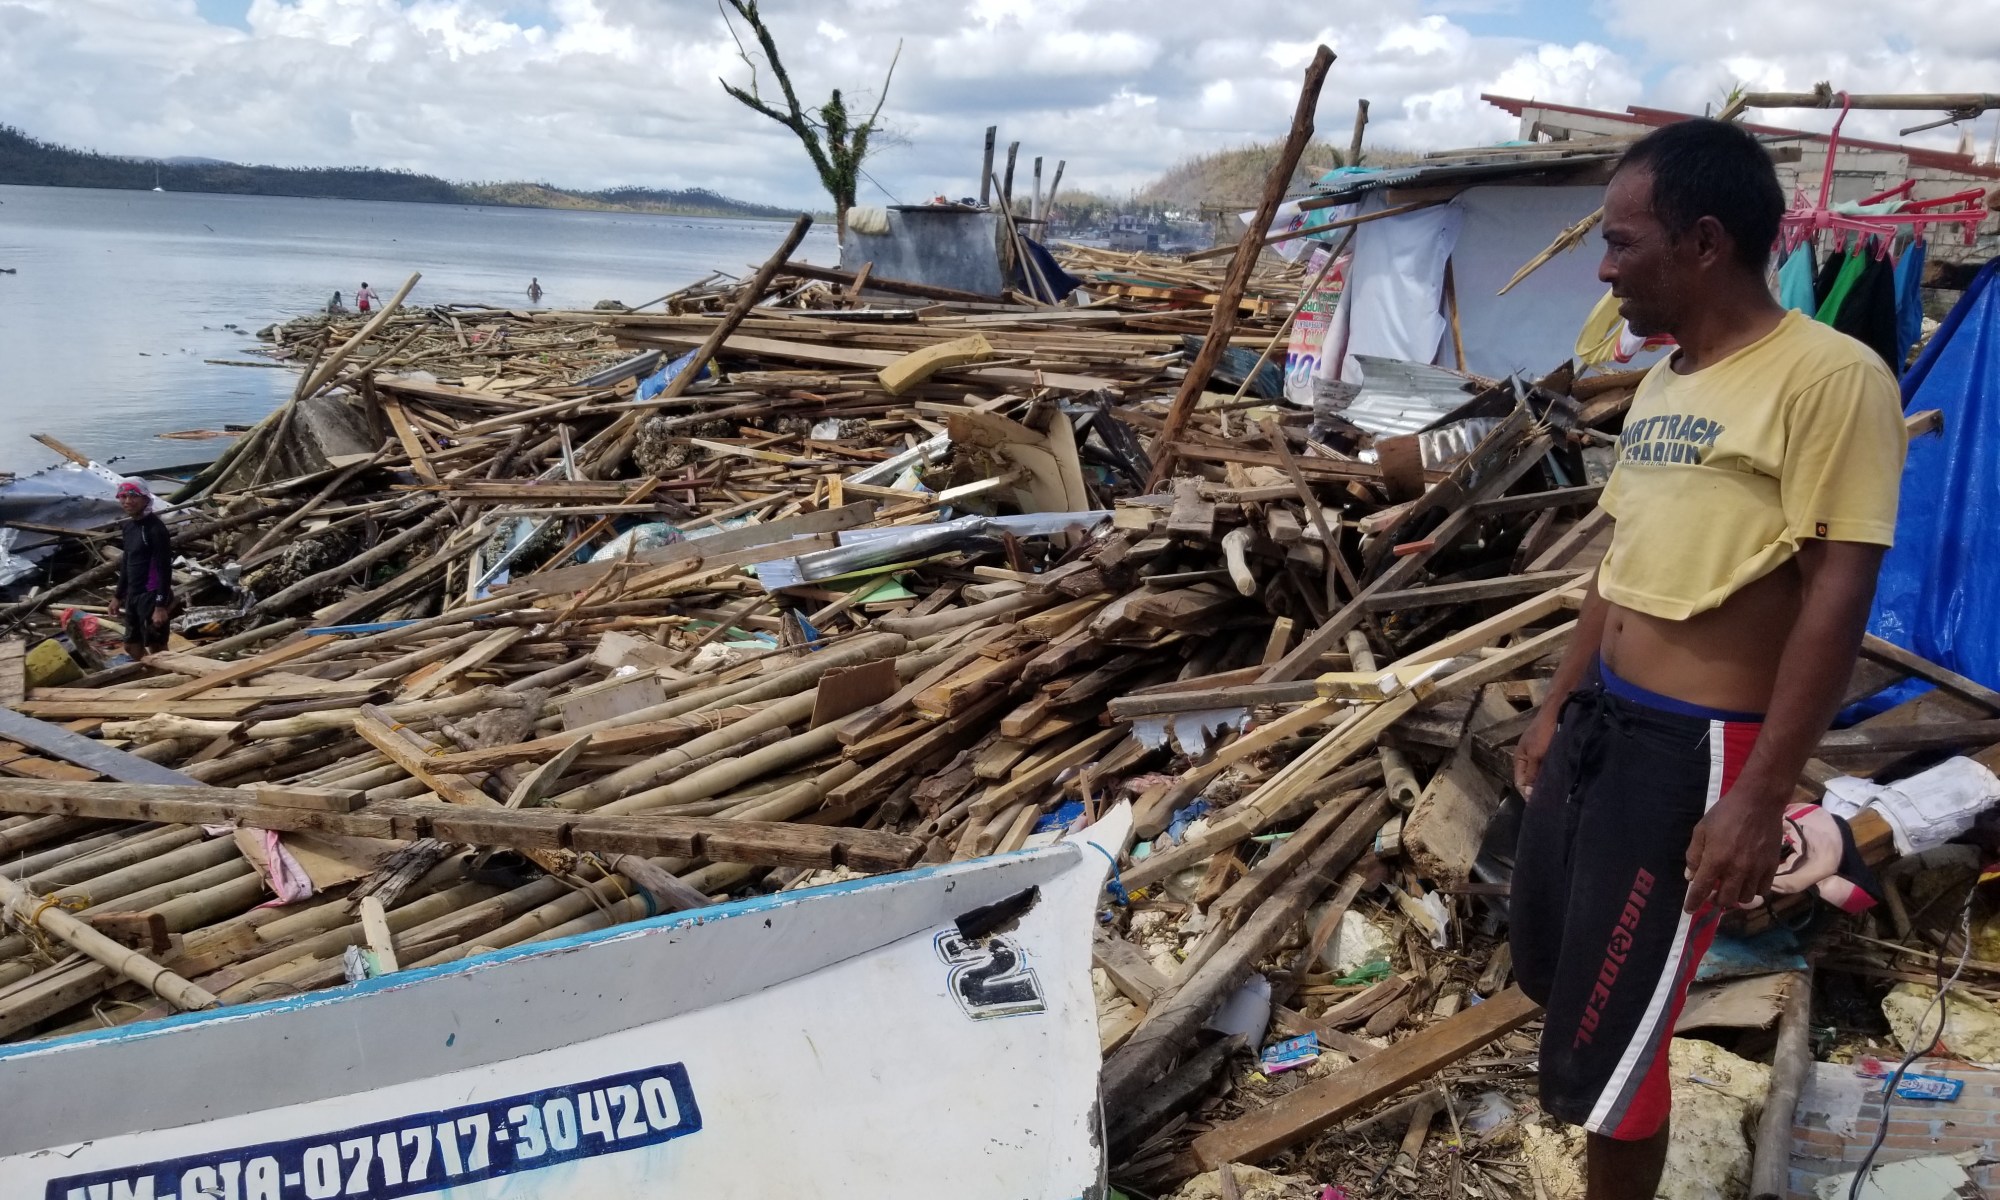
[312,382]
[744,303]
[625,430]
[1360,127]
[1007,181]
[1223,323]
[986,169]
[1035,205]
[31,912]
[1049,201]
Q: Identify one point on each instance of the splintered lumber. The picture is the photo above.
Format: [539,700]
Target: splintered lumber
[1168,1027]
[1448,823]
[1257,1135]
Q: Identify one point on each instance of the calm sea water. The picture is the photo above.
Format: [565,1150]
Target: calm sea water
[119,297]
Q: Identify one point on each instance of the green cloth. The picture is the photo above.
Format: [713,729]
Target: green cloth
[1850,270]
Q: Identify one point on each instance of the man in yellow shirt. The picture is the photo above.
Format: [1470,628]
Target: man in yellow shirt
[1754,494]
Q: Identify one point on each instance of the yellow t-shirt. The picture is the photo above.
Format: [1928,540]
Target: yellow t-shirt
[1722,473]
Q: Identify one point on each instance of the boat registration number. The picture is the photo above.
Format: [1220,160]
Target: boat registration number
[422,1153]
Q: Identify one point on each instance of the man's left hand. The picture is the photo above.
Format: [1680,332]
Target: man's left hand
[1735,852]
[160,617]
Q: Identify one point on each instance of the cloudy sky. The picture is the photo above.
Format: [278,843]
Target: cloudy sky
[593,93]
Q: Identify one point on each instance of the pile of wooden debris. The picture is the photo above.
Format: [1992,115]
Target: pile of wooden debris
[613,614]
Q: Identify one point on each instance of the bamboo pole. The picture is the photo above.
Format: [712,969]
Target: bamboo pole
[29,911]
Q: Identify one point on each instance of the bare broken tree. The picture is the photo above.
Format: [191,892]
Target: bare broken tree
[835,144]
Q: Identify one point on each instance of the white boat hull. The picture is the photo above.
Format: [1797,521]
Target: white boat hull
[840,1042]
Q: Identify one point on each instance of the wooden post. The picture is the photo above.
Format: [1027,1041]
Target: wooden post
[986,168]
[1771,1158]
[315,380]
[624,431]
[1007,181]
[1049,201]
[1223,323]
[1035,204]
[1360,127]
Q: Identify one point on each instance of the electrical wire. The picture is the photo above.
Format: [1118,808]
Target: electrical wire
[1919,1046]
[878,187]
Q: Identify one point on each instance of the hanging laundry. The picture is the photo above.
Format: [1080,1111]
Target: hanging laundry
[1831,298]
[1795,280]
[1909,300]
[1867,312]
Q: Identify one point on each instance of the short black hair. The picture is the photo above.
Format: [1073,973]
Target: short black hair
[1704,168]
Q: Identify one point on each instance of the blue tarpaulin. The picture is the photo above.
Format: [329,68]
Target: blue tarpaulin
[1939,582]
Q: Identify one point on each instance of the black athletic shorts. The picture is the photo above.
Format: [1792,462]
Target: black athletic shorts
[1599,879]
[141,635]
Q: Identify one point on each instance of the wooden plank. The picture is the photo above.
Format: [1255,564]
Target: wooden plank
[204,707]
[918,365]
[13,671]
[1499,625]
[317,799]
[414,754]
[492,646]
[1448,823]
[245,668]
[1571,544]
[875,360]
[845,690]
[1315,1107]
[1131,707]
[1923,668]
[764,541]
[1472,591]
[406,435]
[760,843]
[1128,968]
[108,761]
[1025,784]
[1536,501]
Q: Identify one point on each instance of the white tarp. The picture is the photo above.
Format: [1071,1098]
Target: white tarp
[1393,306]
[1533,328]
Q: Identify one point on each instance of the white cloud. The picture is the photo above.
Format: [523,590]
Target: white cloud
[1711,46]
[603,92]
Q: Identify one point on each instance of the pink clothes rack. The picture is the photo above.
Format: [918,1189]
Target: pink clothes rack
[1964,210]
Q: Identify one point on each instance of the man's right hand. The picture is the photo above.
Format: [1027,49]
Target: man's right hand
[1531,749]
[112,611]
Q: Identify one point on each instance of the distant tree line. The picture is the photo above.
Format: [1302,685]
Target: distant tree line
[31,161]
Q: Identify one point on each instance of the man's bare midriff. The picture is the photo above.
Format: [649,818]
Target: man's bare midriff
[1724,658]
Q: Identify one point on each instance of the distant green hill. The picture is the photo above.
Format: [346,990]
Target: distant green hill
[1235,178]
[28,160]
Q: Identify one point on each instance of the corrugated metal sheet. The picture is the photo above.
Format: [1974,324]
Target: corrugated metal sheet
[1431,174]
[1400,397]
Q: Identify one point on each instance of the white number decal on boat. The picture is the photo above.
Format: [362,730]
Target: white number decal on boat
[423,1152]
[988,978]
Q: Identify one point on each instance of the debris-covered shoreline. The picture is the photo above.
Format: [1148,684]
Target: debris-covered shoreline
[516,625]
